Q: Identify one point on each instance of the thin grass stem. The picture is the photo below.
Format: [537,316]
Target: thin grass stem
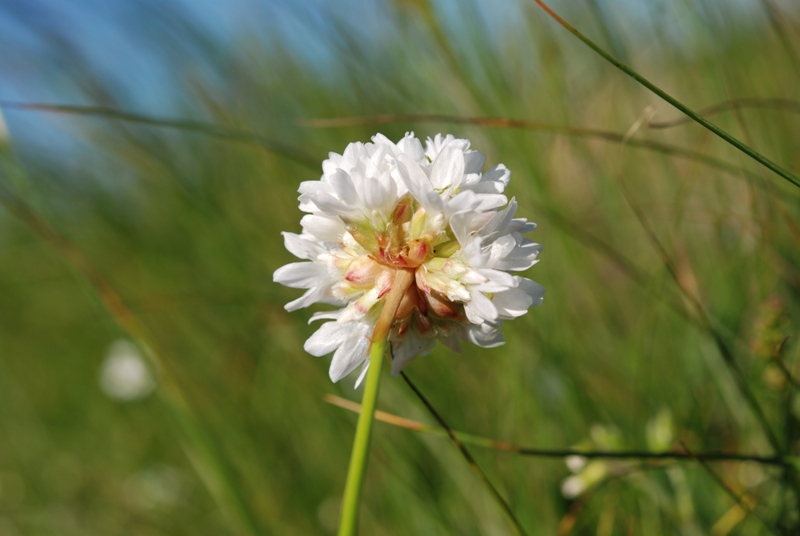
[785,105]
[502,446]
[468,457]
[746,504]
[524,124]
[207,129]
[208,461]
[755,155]
[704,321]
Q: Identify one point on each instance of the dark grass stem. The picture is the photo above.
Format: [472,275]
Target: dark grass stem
[523,124]
[784,105]
[742,501]
[208,129]
[502,446]
[294,154]
[298,156]
[791,476]
[777,358]
[465,453]
[758,157]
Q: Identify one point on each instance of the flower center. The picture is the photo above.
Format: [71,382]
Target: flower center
[410,240]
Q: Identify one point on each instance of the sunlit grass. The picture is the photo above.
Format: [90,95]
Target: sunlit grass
[185,227]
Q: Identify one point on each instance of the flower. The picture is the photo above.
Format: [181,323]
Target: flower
[124,374]
[382,207]
[589,473]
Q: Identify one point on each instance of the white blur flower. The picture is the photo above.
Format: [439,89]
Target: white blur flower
[157,487]
[382,207]
[124,374]
[587,473]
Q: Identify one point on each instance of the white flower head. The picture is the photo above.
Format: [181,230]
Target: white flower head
[382,207]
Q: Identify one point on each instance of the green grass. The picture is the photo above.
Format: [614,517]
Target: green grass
[185,228]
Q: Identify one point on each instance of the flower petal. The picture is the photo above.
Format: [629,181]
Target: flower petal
[301,246]
[351,353]
[327,338]
[480,309]
[300,274]
[323,228]
[515,302]
[448,169]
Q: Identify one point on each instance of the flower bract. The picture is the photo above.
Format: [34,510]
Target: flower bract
[382,207]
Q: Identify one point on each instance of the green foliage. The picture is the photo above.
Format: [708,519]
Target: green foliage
[185,227]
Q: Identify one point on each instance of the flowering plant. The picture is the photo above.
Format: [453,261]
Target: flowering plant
[382,209]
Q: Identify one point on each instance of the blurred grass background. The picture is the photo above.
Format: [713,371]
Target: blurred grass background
[185,228]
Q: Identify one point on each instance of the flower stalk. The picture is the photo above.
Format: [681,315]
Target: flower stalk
[348,520]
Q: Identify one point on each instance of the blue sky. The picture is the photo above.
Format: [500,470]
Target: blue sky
[141,48]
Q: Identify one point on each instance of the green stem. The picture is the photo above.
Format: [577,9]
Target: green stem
[358,459]
[763,160]
[348,521]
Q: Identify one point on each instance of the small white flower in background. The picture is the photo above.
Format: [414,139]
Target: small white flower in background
[157,487]
[587,473]
[124,374]
[381,207]
[590,472]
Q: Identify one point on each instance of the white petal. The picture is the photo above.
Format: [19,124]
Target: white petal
[323,228]
[325,202]
[301,246]
[480,309]
[325,315]
[515,302]
[469,201]
[313,187]
[362,374]
[354,151]
[412,176]
[495,281]
[499,223]
[448,169]
[379,193]
[412,147]
[498,174]
[327,338]
[380,139]
[301,274]
[350,354]
[319,294]
[485,336]
[532,289]
[511,303]
[343,186]
[460,224]
[484,187]
[520,258]
[473,161]
[335,161]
